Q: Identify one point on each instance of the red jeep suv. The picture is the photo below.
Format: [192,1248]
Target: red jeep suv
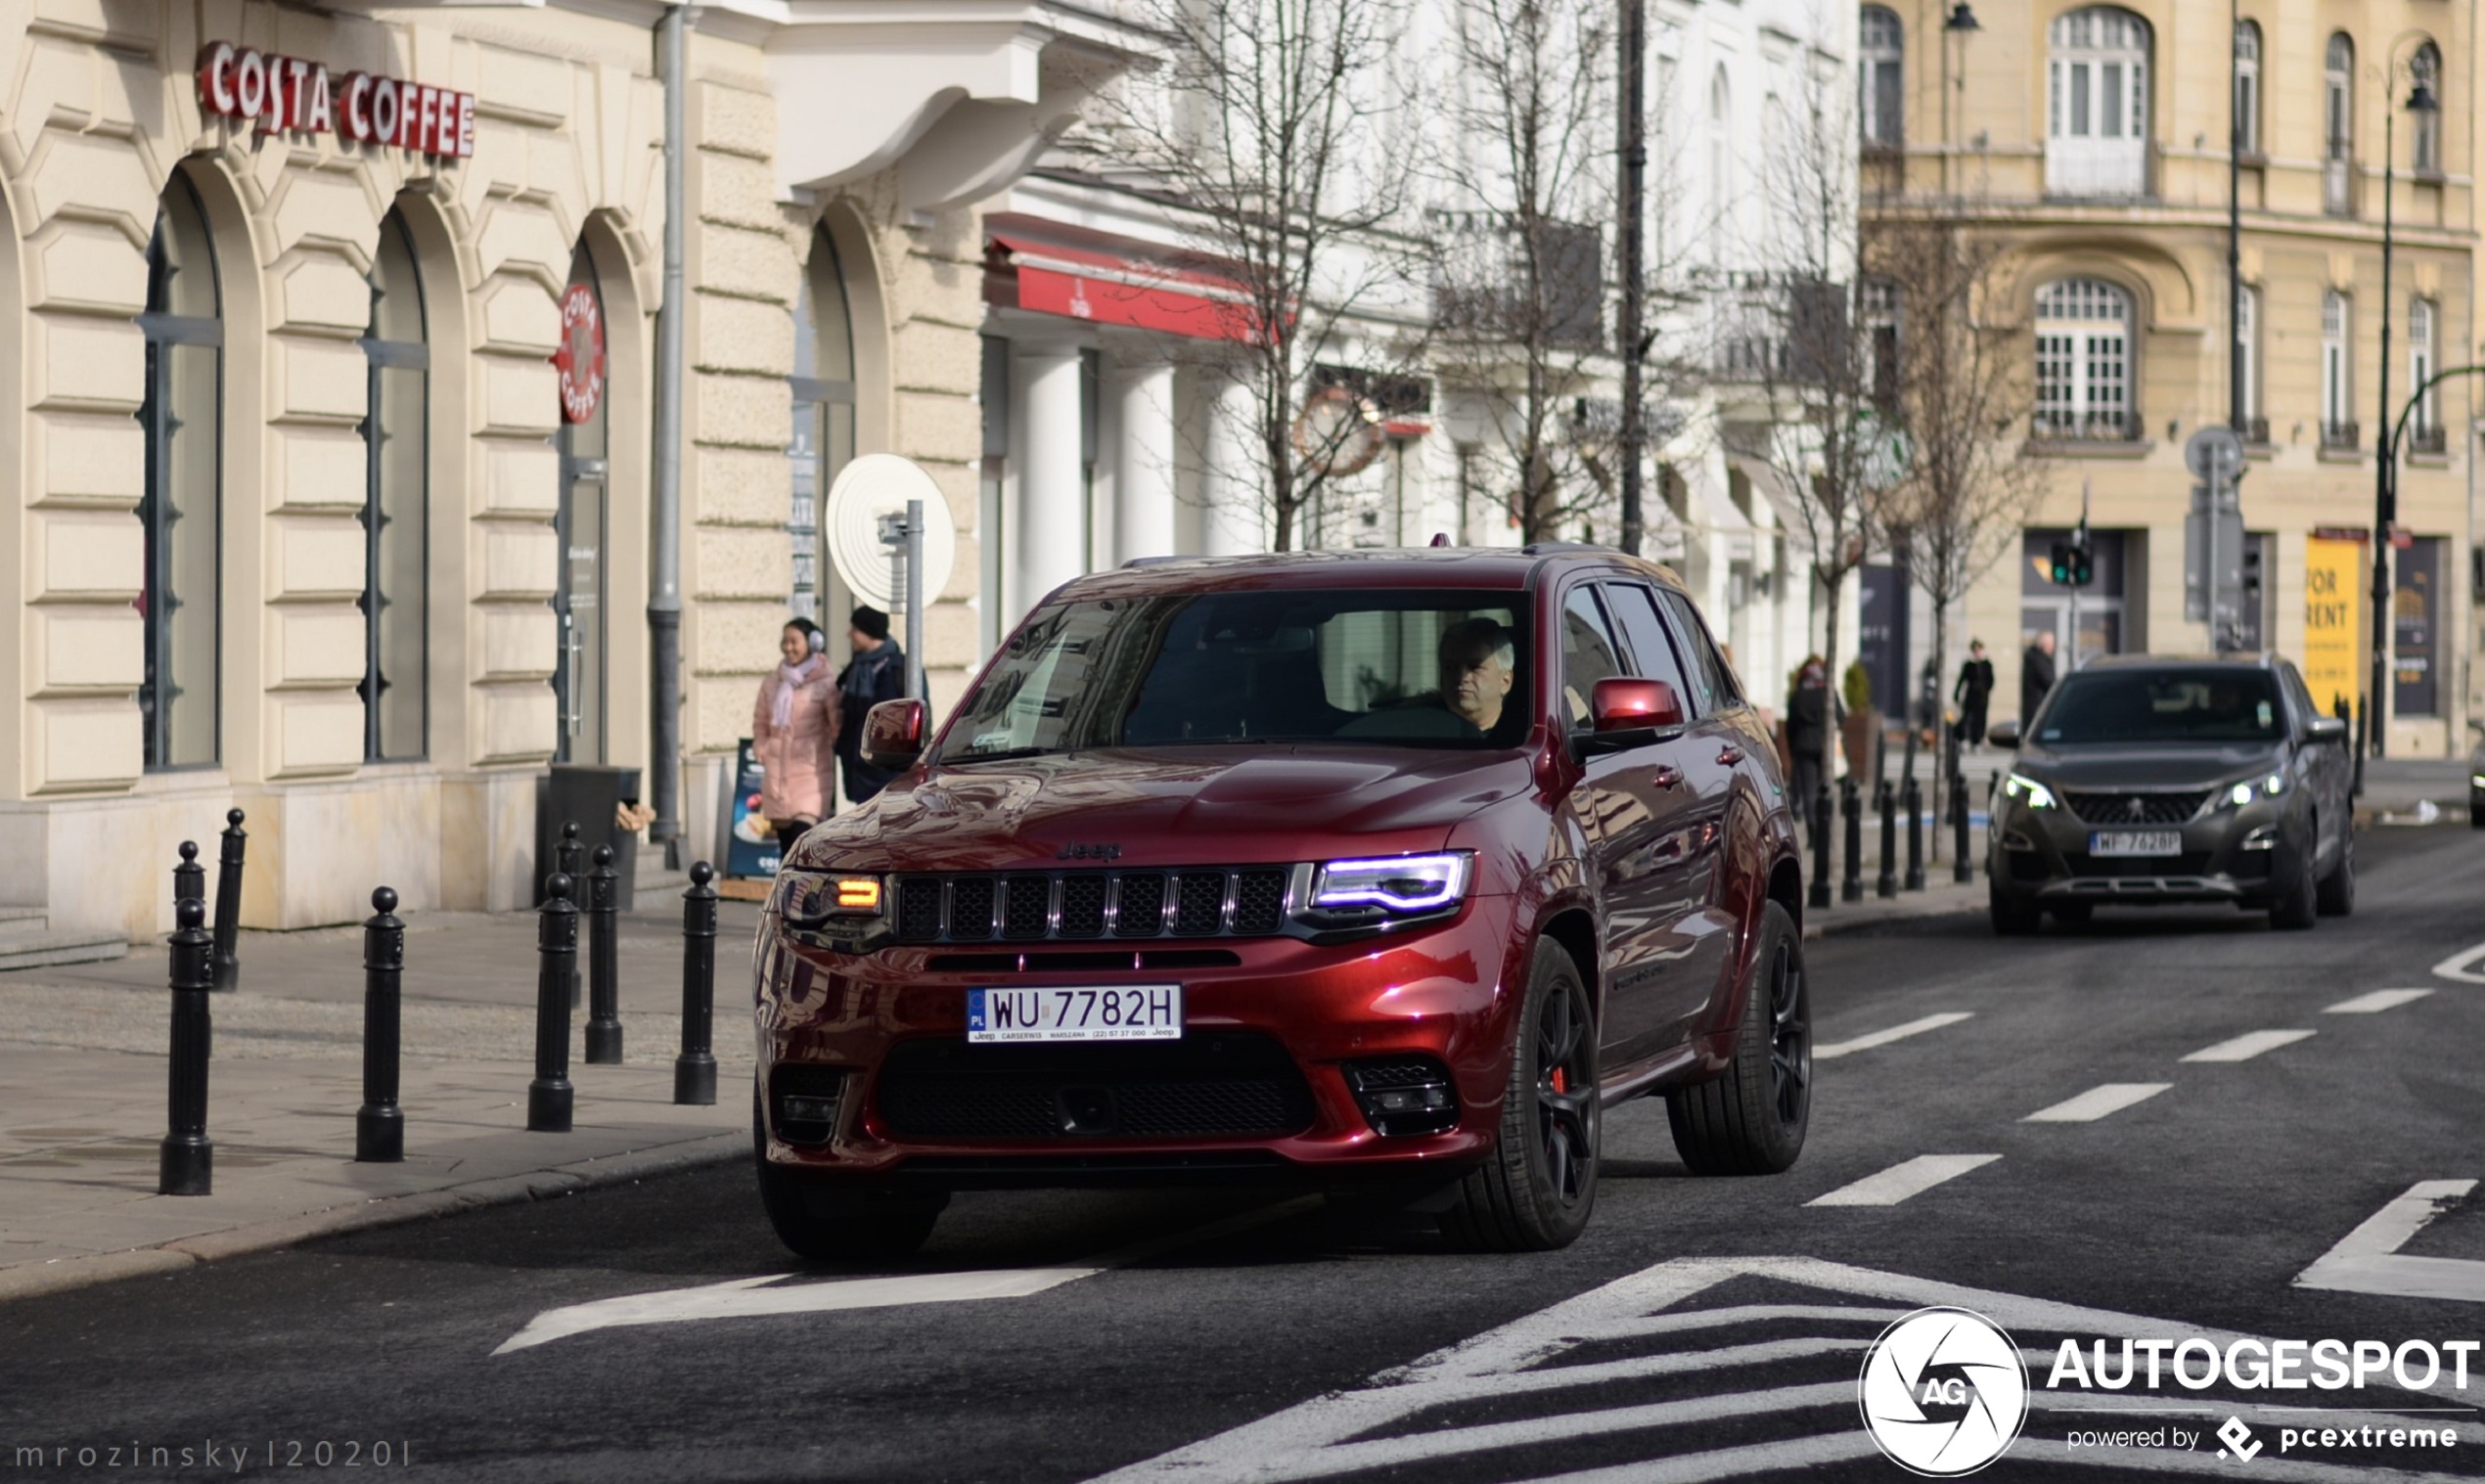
[1381,871]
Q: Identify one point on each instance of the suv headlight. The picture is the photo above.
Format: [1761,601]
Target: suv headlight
[814,899]
[1403,885]
[2020,786]
[2237,795]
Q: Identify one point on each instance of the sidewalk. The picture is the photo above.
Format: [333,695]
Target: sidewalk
[2398,790]
[83,1089]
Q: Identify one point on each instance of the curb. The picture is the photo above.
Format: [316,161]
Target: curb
[32,1279]
[1817,926]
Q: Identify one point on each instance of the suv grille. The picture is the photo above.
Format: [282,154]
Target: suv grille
[1199,902]
[1214,1083]
[2153,808]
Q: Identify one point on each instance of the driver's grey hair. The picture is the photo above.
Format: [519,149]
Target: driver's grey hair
[1481,633]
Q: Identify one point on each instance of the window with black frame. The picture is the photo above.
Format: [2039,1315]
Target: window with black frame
[396,505]
[180,509]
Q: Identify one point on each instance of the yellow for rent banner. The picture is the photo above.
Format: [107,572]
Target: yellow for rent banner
[2334,620]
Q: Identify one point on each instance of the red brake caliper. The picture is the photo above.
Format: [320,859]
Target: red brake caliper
[1560,1082]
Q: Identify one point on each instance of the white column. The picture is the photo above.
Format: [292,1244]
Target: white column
[1234,521]
[1143,460]
[1044,381]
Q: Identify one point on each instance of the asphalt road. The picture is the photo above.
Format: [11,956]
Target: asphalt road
[1215,1324]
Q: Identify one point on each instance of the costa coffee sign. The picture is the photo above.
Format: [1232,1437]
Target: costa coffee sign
[288,95]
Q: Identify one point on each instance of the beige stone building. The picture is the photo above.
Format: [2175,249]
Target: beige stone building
[2091,142]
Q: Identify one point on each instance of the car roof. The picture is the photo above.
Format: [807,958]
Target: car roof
[1484,569]
[2241,660]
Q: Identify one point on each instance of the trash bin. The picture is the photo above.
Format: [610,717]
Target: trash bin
[591,795]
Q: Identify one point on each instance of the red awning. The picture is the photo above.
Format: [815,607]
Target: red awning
[1053,268]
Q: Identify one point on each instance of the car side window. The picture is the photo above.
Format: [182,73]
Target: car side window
[1653,656]
[1588,653]
[2300,693]
[1712,680]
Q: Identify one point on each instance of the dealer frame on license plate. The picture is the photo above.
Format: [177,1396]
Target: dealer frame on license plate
[2125,843]
[1074,1013]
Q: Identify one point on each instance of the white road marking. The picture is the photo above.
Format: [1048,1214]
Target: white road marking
[2376,1002]
[2098,1101]
[1838,1049]
[2462,966]
[1391,1419]
[750,1297]
[1912,1177]
[2250,1044]
[2368,1260]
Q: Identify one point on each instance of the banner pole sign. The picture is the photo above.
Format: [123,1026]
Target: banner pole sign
[286,95]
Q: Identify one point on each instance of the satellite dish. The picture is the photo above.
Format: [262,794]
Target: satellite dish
[876,485]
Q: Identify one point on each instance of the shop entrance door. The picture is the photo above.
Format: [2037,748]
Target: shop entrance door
[578,676]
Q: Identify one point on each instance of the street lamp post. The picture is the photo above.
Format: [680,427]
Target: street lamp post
[2385,475]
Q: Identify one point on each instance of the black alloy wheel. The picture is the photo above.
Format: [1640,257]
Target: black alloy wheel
[1752,1120]
[1537,1190]
[1565,1095]
[1789,1035]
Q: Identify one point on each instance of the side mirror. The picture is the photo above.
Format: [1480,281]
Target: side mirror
[2327,729]
[893,734]
[1623,704]
[2003,734]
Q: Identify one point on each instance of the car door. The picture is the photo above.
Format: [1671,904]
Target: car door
[2320,766]
[1717,761]
[1656,856]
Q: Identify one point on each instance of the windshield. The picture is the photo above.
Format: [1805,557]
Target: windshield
[2221,704]
[1343,668]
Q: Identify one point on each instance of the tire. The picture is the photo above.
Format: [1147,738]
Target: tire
[2475,815]
[2337,896]
[2012,917]
[1537,1191]
[2074,912]
[1752,1120]
[818,1222]
[2300,907]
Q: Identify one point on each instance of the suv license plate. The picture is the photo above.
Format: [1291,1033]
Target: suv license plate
[2136,842]
[1057,1013]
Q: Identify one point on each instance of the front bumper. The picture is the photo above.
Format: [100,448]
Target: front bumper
[1272,1028]
[2235,855]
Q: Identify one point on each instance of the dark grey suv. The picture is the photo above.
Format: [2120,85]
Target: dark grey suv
[2147,779]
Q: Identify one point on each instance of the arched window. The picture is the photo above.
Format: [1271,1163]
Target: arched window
[2083,361]
[2247,87]
[823,385]
[2096,113]
[2424,70]
[2338,121]
[2424,424]
[396,505]
[1883,98]
[2248,359]
[2337,360]
[182,508]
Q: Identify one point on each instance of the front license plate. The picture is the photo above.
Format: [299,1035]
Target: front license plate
[1054,1012]
[2136,842]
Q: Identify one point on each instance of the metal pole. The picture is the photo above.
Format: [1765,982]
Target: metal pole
[1821,820]
[186,1160]
[1916,832]
[915,600]
[1886,884]
[695,1069]
[2236,349]
[189,877]
[2385,502]
[228,903]
[1961,869]
[665,595]
[548,1098]
[1851,805]
[380,1125]
[570,858]
[1634,270]
[604,968]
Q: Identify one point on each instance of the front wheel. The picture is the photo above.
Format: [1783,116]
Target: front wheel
[823,1223]
[1751,1121]
[1536,1192]
[2012,917]
[2338,894]
[2298,904]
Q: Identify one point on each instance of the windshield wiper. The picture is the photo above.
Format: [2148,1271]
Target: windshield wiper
[1005,753]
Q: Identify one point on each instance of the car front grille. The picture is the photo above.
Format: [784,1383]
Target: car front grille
[1026,906]
[1211,1084]
[2167,808]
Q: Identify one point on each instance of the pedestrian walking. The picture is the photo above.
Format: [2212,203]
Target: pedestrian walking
[1973,693]
[1811,710]
[2036,674]
[793,729]
[877,673]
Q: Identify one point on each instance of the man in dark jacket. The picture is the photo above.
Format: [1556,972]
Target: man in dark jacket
[2036,674]
[1810,711]
[877,673]
[1972,693]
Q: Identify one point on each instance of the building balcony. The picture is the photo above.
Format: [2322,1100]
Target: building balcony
[2433,440]
[2254,432]
[2050,426]
[1497,279]
[2341,437]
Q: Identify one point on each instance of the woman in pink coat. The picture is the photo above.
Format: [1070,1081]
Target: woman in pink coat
[794,729]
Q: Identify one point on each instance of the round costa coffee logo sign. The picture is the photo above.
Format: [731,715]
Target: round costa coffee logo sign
[580,358]
[1943,1392]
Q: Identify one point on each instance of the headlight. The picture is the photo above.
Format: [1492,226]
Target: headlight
[2021,786]
[810,898]
[1402,884]
[2245,792]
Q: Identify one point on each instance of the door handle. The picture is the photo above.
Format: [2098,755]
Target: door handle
[1730,755]
[1667,776]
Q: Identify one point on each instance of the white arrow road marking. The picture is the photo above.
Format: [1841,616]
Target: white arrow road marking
[750,1297]
[1838,1049]
[2376,1002]
[2462,966]
[2250,1044]
[2367,1260]
[2098,1101]
[1912,1177]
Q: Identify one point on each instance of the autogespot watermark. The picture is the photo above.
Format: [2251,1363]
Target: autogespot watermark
[1943,1392]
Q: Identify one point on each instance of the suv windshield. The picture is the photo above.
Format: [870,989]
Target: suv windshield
[1345,667]
[2206,705]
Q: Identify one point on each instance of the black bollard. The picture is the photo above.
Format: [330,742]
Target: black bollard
[1915,836]
[228,903]
[604,966]
[570,858]
[1851,804]
[1886,882]
[186,1164]
[189,878]
[695,1069]
[548,1098]
[1820,817]
[380,1125]
[1961,869]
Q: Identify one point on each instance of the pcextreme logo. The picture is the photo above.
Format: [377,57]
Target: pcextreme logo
[1943,1392]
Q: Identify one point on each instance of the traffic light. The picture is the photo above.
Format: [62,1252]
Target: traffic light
[2251,576]
[2073,564]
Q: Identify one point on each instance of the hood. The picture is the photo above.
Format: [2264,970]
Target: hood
[2147,765]
[1196,806]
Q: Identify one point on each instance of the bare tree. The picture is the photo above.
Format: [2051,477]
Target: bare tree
[1518,299]
[1272,122]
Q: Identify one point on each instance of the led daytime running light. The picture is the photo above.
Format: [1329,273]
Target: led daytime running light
[1398,883]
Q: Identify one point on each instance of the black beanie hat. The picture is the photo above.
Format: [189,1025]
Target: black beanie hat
[872,621]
